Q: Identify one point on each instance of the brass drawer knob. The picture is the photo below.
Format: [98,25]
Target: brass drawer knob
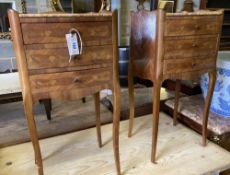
[197,27]
[194,45]
[77,80]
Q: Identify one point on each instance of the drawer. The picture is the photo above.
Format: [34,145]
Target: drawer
[190,47]
[92,33]
[188,65]
[70,85]
[57,56]
[192,26]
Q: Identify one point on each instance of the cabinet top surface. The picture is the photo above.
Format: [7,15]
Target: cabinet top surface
[47,15]
[197,13]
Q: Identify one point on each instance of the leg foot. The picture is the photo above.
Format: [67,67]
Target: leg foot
[177,94]
[48,107]
[33,134]
[131,100]
[98,120]
[212,80]
[156,108]
[116,123]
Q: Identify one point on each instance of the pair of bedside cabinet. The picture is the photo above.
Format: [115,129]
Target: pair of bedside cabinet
[163,46]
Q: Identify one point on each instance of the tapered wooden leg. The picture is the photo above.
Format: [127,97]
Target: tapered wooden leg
[34,136]
[131,100]
[212,80]
[116,123]
[48,107]
[98,120]
[156,108]
[83,100]
[177,95]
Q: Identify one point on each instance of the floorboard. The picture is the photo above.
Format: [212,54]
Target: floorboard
[67,116]
[179,153]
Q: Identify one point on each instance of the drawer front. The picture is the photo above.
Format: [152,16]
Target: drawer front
[192,26]
[194,47]
[57,56]
[92,33]
[70,85]
[188,65]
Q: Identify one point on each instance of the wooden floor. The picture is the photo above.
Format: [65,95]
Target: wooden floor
[67,116]
[179,153]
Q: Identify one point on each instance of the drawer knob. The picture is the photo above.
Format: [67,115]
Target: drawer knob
[197,27]
[194,45]
[77,80]
[193,65]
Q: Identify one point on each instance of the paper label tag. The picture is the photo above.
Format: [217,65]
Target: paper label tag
[72,44]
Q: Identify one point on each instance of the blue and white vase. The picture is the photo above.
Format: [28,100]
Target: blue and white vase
[221,96]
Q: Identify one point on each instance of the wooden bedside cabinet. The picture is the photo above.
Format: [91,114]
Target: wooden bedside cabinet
[173,46]
[45,71]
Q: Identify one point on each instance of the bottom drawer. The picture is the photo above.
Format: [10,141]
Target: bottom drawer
[70,85]
[187,65]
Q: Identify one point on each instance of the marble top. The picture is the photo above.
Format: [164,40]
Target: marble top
[58,14]
[193,106]
[198,13]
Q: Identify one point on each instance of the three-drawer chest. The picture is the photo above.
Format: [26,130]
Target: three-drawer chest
[173,46]
[47,72]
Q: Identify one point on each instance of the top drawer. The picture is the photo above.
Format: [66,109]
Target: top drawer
[197,25]
[92,33]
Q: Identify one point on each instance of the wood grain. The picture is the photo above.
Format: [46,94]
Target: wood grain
[212,80]
[173,45]
[39,42]
[177,96]
[25,85]
[77,153]
[70,85]
[116,97]
[97,33]
[68,69]
[98,120]
[176,48]
[188,65]
[58,57]
[192,25]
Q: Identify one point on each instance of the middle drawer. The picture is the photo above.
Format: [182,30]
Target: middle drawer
[57,56]
[178,47]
